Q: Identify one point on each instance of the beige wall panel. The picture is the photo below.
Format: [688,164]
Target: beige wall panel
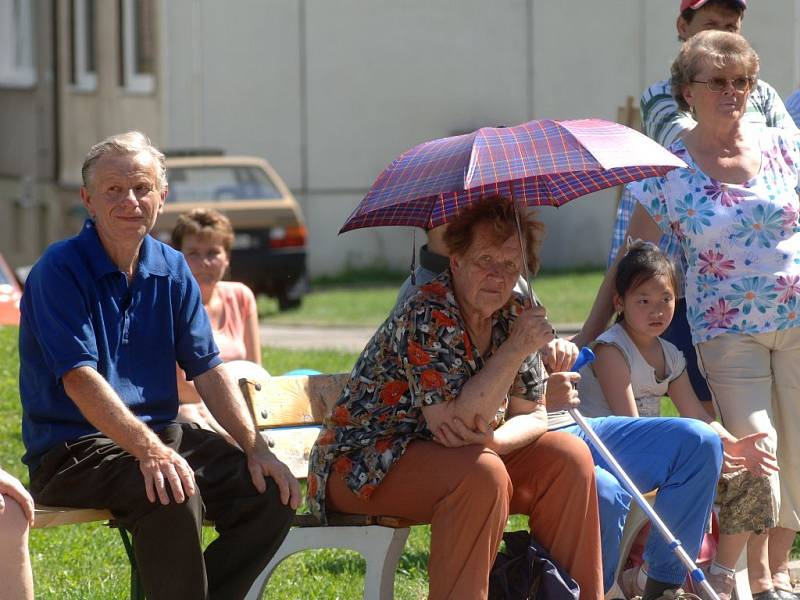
[330,252]
[586,57]
[587,60]
[772,28]
[233,79]
[385,75]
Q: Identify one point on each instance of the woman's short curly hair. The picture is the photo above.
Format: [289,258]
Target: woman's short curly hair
[716,48]
[499,213]
[203,221]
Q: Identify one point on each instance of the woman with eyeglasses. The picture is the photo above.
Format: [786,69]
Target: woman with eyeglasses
[735,210]
[443,420]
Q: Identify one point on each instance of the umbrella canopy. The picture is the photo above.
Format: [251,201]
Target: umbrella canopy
[540,162]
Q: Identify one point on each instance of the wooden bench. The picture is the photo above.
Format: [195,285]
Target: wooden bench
[290,410]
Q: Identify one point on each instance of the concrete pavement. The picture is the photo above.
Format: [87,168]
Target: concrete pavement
[345,339]
[307,337]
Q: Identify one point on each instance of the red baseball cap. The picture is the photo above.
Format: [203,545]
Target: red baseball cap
[695,4]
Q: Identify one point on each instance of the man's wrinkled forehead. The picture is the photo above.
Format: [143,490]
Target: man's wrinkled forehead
[141,164]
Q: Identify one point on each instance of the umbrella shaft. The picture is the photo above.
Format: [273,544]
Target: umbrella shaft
[524,253]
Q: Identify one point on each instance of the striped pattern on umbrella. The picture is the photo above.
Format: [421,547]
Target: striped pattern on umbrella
[545,162]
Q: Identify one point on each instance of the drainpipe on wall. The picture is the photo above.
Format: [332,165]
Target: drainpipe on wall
[56,82]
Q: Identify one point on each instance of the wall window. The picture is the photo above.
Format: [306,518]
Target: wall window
[83,69]
[16,43]
[138,45]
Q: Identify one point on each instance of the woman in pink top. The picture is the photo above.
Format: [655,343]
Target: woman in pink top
[205,237]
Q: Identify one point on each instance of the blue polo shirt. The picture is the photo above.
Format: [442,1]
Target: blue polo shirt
[79,310]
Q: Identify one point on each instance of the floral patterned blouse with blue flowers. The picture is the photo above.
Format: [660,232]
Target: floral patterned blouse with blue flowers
[420,356]
[741,241]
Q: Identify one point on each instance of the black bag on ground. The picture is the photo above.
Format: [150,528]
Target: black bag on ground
[526,571]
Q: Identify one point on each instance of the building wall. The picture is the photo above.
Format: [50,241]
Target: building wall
[86,117]
[33,214]
[26,113]
[47,129]
[29,213]
[332,92]
[232,79]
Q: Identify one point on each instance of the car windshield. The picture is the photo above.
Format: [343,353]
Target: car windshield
[225,182]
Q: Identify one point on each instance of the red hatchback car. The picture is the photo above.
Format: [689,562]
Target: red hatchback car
[10,294]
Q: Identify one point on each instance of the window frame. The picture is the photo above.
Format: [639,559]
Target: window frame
[132,80]
[17,40]
[81,77]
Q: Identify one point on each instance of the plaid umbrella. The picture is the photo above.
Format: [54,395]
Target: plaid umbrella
[541,162]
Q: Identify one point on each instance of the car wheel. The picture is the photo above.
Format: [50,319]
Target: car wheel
[285,303]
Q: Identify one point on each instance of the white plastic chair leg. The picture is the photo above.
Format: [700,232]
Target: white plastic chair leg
[380,546]
[634,522]
[382,566]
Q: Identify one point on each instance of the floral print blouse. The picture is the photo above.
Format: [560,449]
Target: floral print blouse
[420,356]
[741,241]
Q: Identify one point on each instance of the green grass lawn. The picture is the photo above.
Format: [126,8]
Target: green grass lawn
[88,562]
[352,301]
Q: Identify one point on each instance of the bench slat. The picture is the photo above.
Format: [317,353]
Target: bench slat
[293,447]
[54,516]
[292,401]
[343,520]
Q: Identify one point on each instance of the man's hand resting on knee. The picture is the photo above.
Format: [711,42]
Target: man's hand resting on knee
[164,467]
[263,463]
[160,465]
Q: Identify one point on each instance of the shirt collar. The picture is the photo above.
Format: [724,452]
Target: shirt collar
[432,261]
[151,259]
[99,262]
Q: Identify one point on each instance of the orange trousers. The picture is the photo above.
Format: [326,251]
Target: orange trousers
[467,493]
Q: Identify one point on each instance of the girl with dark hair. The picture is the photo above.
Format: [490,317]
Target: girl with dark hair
[634,368]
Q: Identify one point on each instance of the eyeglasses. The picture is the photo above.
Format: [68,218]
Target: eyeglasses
[718,84]
[487,263]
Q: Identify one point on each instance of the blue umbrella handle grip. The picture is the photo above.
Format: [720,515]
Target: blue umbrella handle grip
[585,356]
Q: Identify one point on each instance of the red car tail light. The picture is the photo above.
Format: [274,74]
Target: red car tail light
[287,237]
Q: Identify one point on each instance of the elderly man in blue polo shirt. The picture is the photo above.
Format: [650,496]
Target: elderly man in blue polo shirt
[105,317]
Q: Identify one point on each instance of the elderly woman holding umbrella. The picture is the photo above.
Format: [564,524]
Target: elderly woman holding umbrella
[735,209]
[459,361]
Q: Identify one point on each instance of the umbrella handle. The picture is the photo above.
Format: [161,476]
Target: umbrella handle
[585,357]
[523,254]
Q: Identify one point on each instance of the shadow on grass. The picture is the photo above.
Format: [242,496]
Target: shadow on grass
[414,559]
[336,562]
